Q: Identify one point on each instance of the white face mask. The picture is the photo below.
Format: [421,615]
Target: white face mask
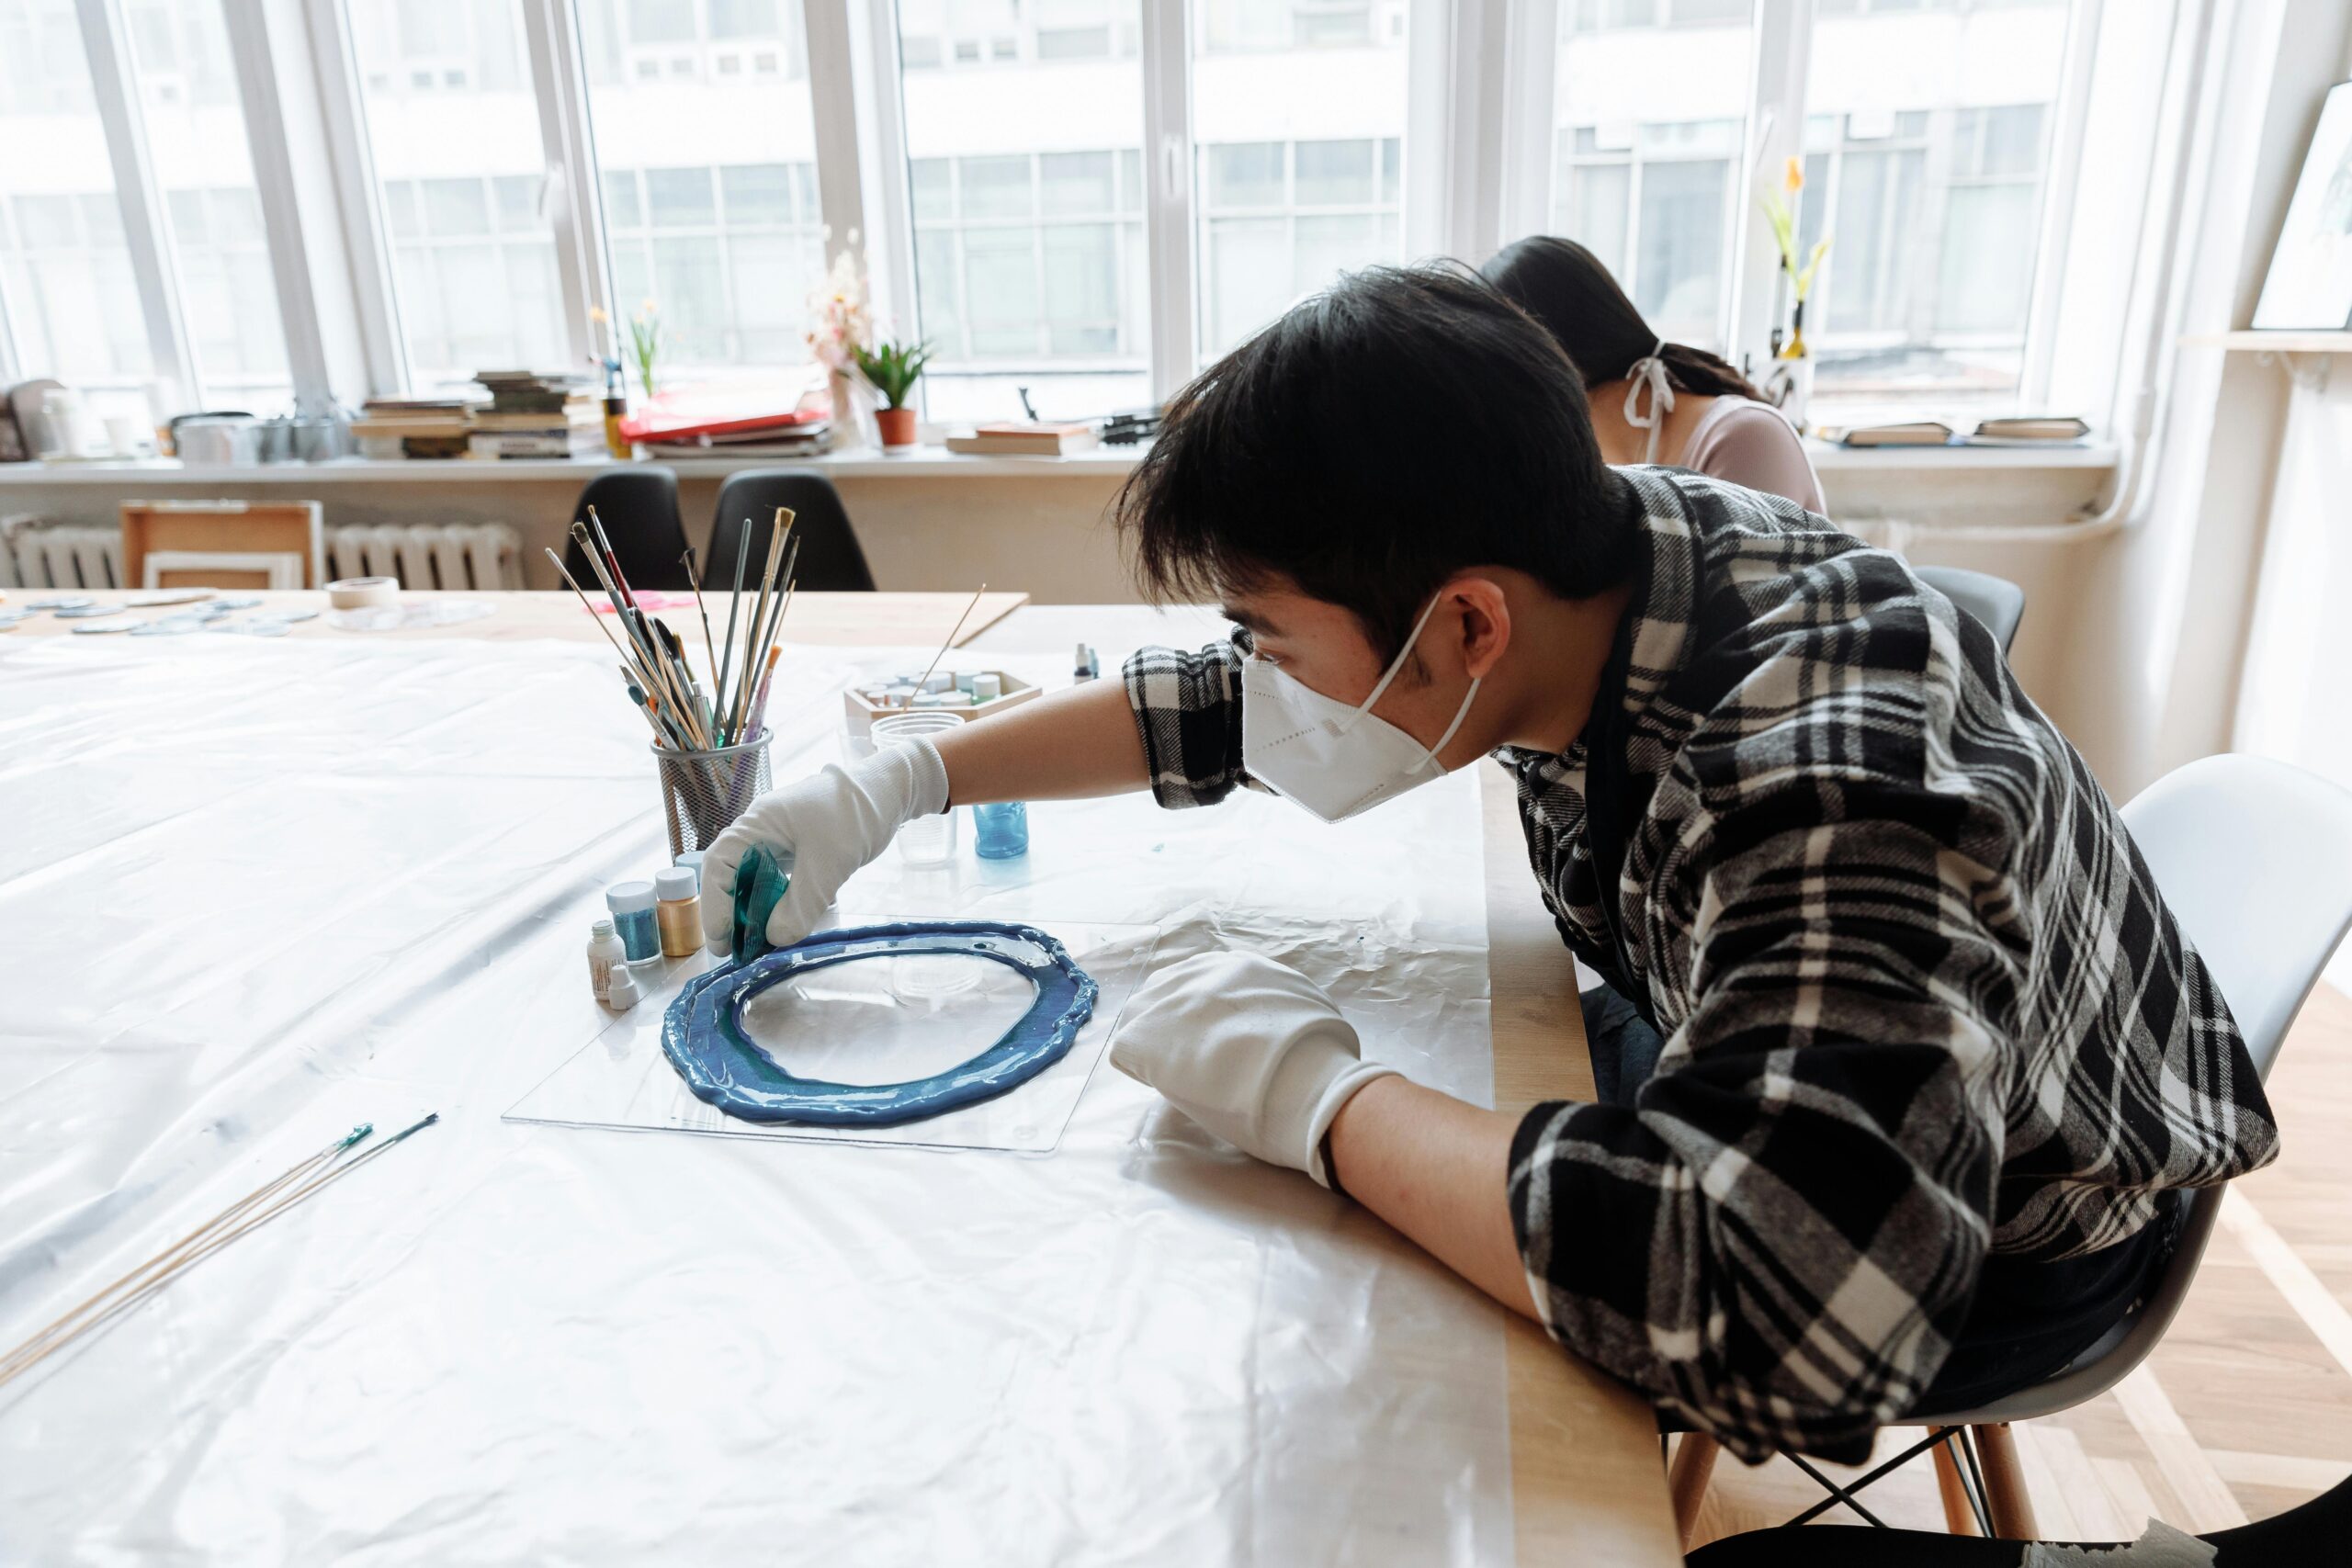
[1334,759]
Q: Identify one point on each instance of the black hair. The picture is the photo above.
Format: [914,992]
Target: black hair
[1402,426]
[1564,286]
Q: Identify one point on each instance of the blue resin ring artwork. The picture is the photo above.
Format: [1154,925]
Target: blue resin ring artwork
[704,1037]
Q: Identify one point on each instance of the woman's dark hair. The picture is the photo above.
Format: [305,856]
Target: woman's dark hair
[1393,429]
[1565,287]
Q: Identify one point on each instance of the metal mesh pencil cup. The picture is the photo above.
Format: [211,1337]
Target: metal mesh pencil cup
[702,791]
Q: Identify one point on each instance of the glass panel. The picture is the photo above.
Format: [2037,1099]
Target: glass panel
[1024,135]
[195,136]
[455,133]
[1679,259]
[1298,107]
[1645,178]
[706,144]
[1927,135]
[66,281]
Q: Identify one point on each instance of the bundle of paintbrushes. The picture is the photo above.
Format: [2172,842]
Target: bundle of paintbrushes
[257,1208]
[685,715]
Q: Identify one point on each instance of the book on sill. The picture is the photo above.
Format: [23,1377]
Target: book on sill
[2030,432]
[583,442]
[798,447]
[1020,439]
[687,413]
[555,421]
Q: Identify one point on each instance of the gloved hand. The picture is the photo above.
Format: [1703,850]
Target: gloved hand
[821,828]
[1252,1050]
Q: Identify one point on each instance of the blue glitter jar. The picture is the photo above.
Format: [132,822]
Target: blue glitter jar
[632,907]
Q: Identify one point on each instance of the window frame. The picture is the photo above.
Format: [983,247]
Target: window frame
[1781,61]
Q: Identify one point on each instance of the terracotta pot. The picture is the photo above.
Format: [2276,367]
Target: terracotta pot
[898,426]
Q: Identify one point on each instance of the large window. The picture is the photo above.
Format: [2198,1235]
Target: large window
[1651,111]
[706,148]
[1298,115]
[1925,146]
[196,135]
[66,282]
[1087,200]
[1024,135]
[454,130]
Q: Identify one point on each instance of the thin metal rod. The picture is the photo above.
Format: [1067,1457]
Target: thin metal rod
[1979,1500]
[944,647]
[1843,1493]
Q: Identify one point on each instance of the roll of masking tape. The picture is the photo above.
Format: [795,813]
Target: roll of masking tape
[363,593]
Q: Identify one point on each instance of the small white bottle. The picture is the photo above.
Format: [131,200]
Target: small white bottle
[624,994]
[605,950]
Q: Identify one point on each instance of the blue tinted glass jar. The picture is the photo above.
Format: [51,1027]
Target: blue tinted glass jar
[1001,831]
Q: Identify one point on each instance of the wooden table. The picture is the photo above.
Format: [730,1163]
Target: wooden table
[1587,1483]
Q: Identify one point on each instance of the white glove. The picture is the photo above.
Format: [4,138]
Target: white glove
[1252,1050]
[822,828]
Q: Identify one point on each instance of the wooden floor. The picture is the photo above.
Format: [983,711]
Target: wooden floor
[2244,1410]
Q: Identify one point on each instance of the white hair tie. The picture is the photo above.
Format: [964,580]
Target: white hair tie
[1649,371]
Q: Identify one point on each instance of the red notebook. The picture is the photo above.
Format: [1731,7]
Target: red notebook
[690,412]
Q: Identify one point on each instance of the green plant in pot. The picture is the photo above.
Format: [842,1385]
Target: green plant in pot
[892,369]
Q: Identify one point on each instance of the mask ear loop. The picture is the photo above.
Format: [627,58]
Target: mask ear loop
[1395,665]
[1649,371]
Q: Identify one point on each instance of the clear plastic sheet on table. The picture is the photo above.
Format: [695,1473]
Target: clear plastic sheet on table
[256,891]
[877,1020]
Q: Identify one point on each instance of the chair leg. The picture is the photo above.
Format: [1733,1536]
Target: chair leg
[2005,1493]
[1686,1480]
[1960,1518]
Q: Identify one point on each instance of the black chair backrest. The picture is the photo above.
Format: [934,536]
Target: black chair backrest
[638,508]
[831,560]
[1995,601]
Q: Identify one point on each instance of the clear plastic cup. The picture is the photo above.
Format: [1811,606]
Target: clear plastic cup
[926,840]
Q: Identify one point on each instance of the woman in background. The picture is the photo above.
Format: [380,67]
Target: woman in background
[1653,401]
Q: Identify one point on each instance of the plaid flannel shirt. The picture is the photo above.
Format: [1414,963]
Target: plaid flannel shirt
[1920,999]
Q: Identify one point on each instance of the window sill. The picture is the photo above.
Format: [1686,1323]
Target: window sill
[1829,458]
[923,462]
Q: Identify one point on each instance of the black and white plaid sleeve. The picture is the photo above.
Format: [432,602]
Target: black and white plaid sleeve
[1778,1240]
[1188,709]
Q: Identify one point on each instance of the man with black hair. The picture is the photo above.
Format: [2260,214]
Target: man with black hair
[1902,1061]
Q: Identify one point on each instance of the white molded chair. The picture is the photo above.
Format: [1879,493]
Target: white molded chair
[2255,860]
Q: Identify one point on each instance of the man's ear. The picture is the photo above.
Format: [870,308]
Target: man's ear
[1485,622]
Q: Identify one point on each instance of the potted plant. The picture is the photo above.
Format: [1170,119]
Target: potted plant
[892,369]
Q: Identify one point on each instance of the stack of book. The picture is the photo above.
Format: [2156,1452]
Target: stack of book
[1023,438]
[412,427]
[729,422]
[537,414]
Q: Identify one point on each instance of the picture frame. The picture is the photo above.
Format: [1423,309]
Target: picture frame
[2308,287]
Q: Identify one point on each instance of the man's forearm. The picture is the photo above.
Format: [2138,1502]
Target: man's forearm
[1066,746]
[1438,1169]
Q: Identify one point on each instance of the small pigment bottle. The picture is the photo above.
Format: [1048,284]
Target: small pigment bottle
[605,950]
[632,907]
[692,860]
[678,911]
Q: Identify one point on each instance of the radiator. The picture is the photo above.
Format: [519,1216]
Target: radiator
[34,554]
[428,554]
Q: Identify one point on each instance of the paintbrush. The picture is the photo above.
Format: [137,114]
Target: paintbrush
[948,644]
[693,576]
[759,616]
[742,559]
[611,559]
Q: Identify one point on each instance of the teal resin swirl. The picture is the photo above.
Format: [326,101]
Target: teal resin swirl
[704,1037]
